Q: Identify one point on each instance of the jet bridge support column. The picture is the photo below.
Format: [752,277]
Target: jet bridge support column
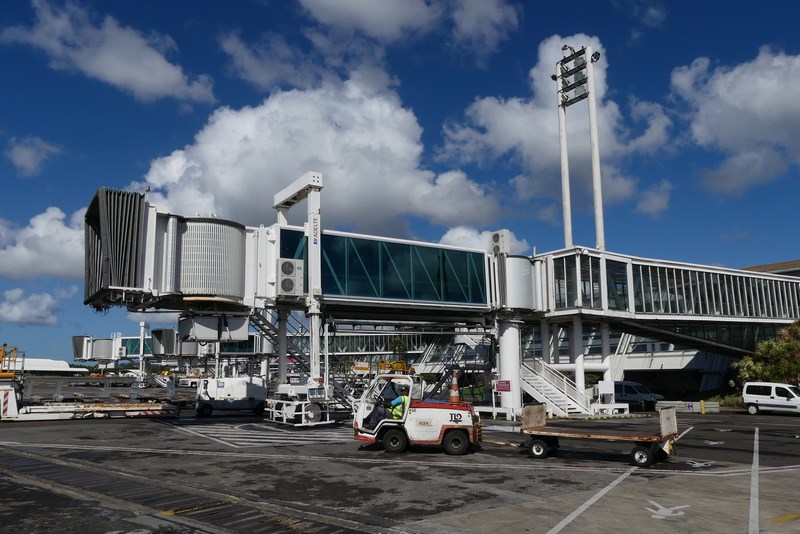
[282,346]
[605,342]
[308,186]
[509,362]
[577,350]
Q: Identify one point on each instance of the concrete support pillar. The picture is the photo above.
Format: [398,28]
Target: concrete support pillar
[576,348]
[606,347]
[509,363]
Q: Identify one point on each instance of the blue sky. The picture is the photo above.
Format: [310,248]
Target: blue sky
[433,120]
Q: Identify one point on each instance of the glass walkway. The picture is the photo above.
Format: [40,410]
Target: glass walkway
[711,308]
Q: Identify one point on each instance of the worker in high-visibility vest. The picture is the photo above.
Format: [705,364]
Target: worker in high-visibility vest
[399,404]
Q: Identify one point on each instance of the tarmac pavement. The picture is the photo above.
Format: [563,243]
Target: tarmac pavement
[231,473]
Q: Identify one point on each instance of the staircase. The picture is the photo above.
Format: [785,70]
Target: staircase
[160,380]
[550,387]
[440,358]
[265,327]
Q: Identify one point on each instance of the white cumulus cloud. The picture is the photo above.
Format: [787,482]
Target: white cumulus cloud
[481,25]
[17,307]
[49,247]
[654,200]
[357,133]
[745,113]
[478,26]
[526,129]
[271,62]
[389,20]
[466,236]
[107,51]
[29,154]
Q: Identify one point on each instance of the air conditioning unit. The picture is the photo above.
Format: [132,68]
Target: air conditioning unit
[290,278]
[501,242]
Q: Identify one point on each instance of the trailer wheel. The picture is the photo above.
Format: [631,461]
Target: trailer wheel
[259,409]
[752,409]
[456,442]
[642,456]
[204,410]
[394,440]
[538,448]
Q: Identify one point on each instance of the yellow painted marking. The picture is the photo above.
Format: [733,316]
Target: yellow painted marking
[786,518]
[185,510]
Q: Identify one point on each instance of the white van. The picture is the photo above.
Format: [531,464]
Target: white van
[770,397]
[635,394]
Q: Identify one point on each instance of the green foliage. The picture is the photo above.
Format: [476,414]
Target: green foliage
[398,346]
[728,401]
[775,360]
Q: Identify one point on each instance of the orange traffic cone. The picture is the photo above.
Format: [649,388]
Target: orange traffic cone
[455,396]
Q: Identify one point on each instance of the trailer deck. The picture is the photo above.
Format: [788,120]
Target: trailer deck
[649,446]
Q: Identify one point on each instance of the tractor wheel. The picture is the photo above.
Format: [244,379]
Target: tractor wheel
[395,440]
[204,410]
[456,442]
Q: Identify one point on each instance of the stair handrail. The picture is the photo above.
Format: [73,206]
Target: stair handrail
[561,382]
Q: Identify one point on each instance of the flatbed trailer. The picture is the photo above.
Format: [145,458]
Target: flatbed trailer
[12,409]
[648,447]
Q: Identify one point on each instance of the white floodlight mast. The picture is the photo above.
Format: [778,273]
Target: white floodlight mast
[594,140]
[566,203]
[308,186]
[563,89]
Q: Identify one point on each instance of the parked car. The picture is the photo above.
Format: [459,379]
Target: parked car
[636,395]
[770,397]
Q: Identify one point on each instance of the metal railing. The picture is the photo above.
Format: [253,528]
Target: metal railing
[562,383]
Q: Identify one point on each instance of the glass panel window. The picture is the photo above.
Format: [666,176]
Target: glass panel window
[617,285]
[426,272]
[396,270]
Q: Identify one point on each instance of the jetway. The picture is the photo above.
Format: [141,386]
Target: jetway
[220,275]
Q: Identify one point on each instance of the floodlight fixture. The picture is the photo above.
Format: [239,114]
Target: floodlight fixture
[595,57]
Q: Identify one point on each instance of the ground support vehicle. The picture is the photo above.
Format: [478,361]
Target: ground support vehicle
[647,447]
[241,393]
[303,405]
[454,425]
[13,409]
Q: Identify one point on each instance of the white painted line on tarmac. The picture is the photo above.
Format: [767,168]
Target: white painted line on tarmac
[597,496]
[754,487]
[184,429]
